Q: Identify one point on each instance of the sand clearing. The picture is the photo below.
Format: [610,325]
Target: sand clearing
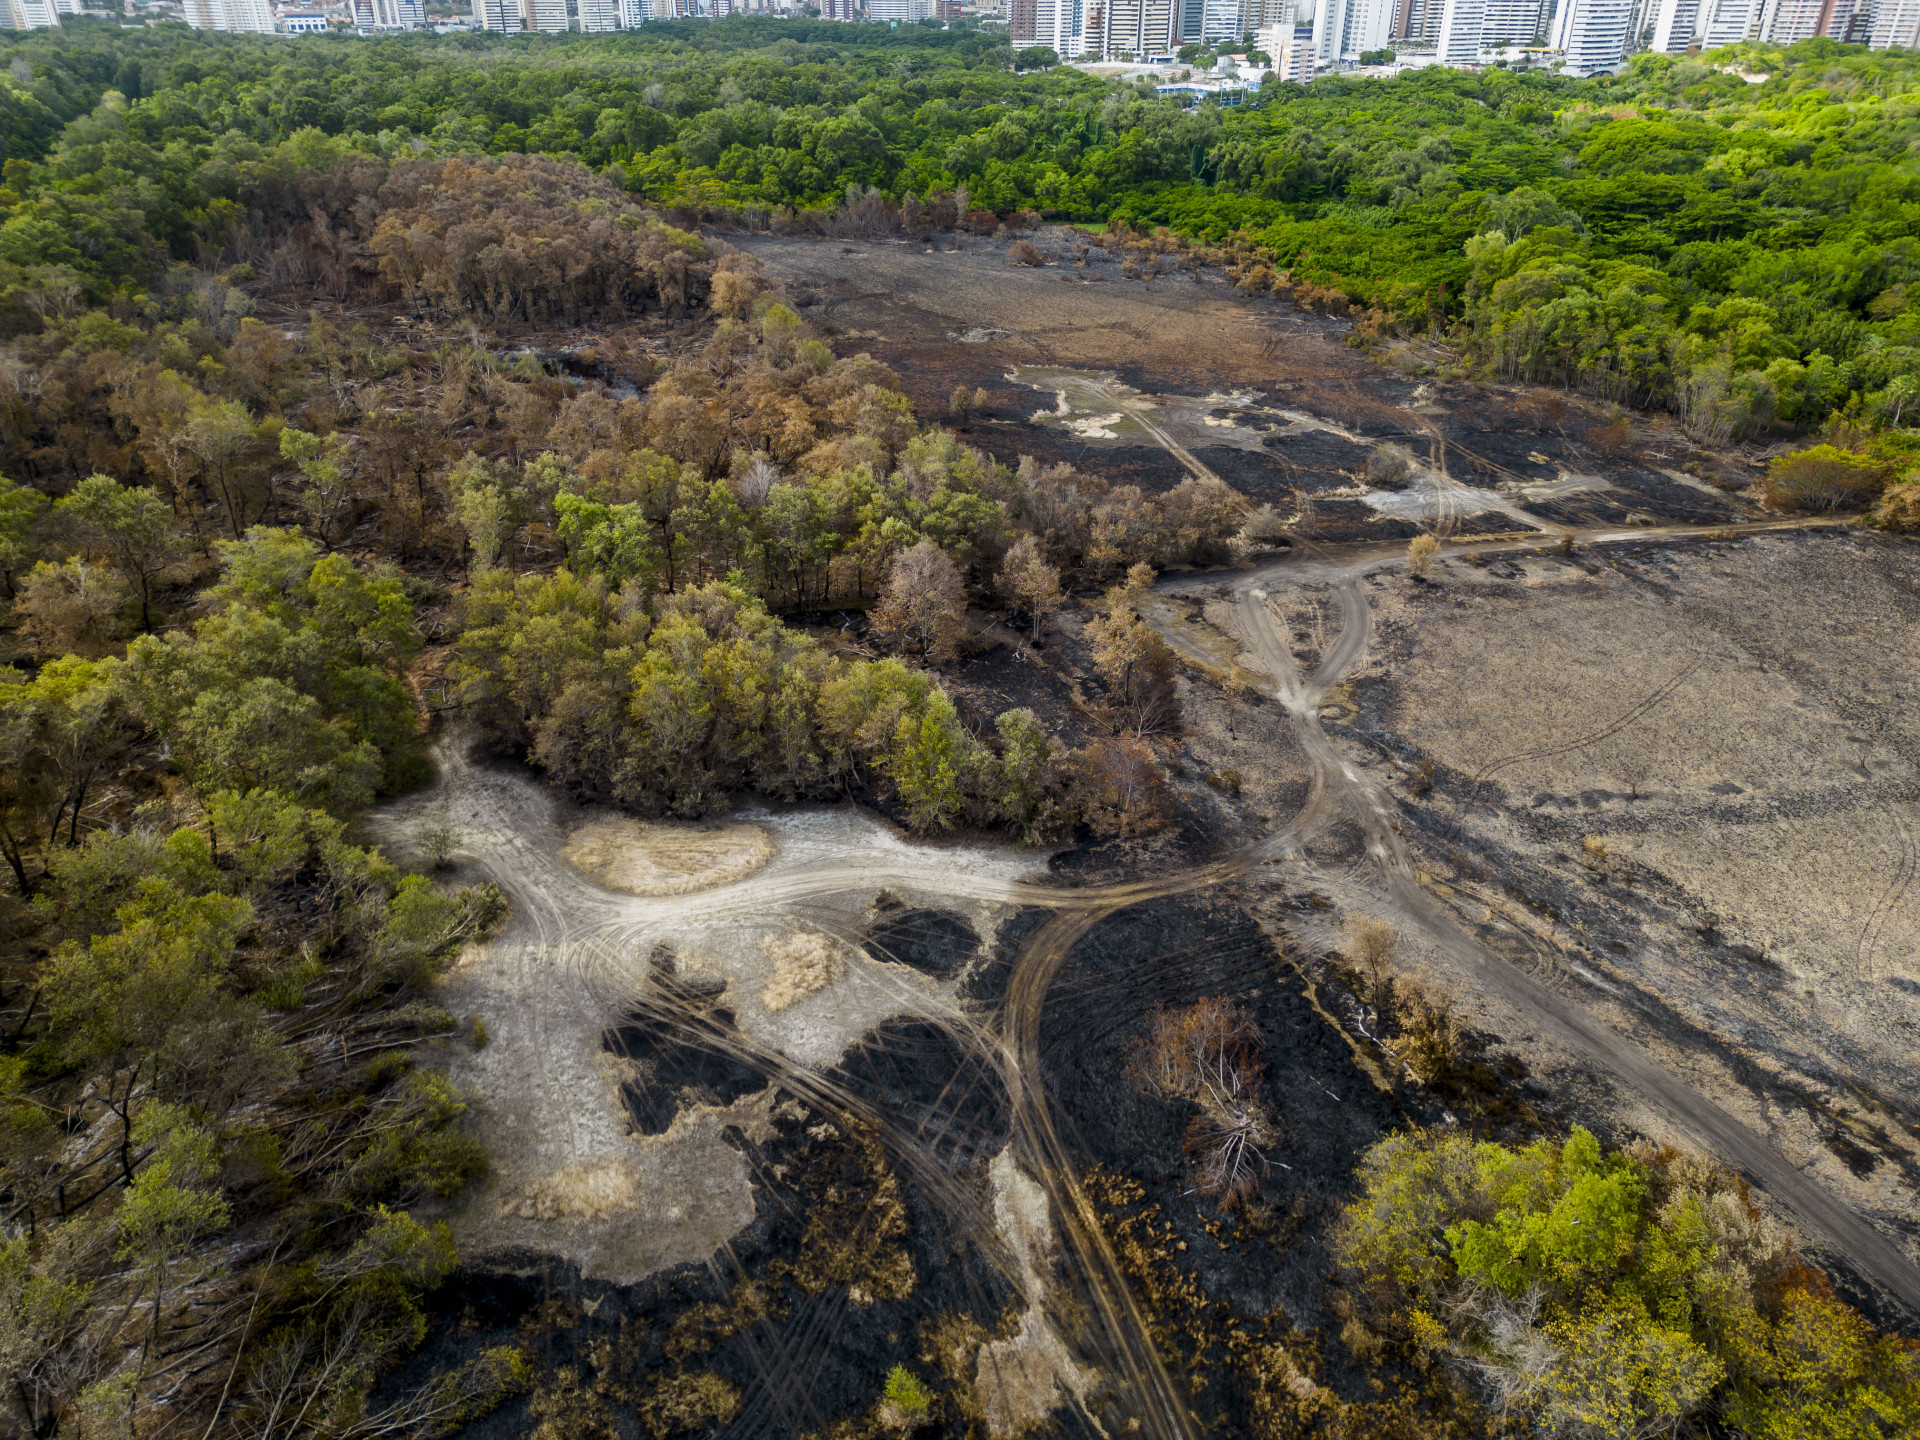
[648,859]
[804,963]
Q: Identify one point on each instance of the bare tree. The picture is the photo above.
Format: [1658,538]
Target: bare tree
[1208,1053]
[1370,944]
[923,605]
[1028,584]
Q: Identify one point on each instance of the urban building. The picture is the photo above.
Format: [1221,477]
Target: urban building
[302,22]
[1728,22]
[1059,25]
[1346,29]
[1290,46]
[1222,20]
[1674,27]
[599,17]
[1418,21]
[1591,35]
[1512,22]
[1139,28]
[503,15]
[31,15]
[248,17]
[548,17]
[901,12]
[1461,22]
[1894,22]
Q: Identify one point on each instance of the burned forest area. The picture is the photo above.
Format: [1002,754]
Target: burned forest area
[630,823]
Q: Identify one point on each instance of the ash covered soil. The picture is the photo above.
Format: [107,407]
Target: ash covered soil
[1689,771]
[1667,779]
[1081,364]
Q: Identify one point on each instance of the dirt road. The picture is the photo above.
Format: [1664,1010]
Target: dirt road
[1342,789]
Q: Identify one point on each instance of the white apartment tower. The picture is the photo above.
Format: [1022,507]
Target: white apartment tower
[1895,22]
[1674,26]
[31,15]
[1592,35]
[1344,29]
[1512,22]
[1460,25]
[1728,22]
[1289,43]
[1056,24]
[1140,27]
[502,15]
[249,17]
[1222,20]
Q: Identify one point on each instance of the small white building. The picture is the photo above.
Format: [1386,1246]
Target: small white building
[302,22]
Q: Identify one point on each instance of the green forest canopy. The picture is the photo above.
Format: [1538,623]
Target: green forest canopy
[1678,235]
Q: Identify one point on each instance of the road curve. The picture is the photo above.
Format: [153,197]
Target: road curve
[1826,1219]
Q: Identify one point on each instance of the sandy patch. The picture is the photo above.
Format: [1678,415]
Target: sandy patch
[1021,1380]
[587,1192]
[804,963]
[646,859]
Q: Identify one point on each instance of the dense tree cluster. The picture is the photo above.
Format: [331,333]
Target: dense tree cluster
[1631,1293]
[246,560]
[1674,236]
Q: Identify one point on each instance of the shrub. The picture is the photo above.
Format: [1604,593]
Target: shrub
[1823,477]
[1899,509]
[438,843]
[682,1404]
[907,1393]
[1420,552]
[1021,252]
[1389,467]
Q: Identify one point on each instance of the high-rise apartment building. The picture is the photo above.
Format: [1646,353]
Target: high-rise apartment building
[1459,42]
[1059,25]
[1223,20]
[1139,27]
[1675,26]
[399,15]
[1512,22]
[249,17]
[549,17]
[1418,20]
[1344,29]
[33,15]
[599,17]
[502,15]
[1592,35]
[1895,22]
[1728,22]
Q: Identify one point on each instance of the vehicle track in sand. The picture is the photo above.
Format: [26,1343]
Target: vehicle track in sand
[577,954]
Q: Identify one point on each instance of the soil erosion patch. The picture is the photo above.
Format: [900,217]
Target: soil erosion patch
[644,859]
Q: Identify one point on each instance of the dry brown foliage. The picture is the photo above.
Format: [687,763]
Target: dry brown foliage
[1120,788]
[1209,1054]
[923,605]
